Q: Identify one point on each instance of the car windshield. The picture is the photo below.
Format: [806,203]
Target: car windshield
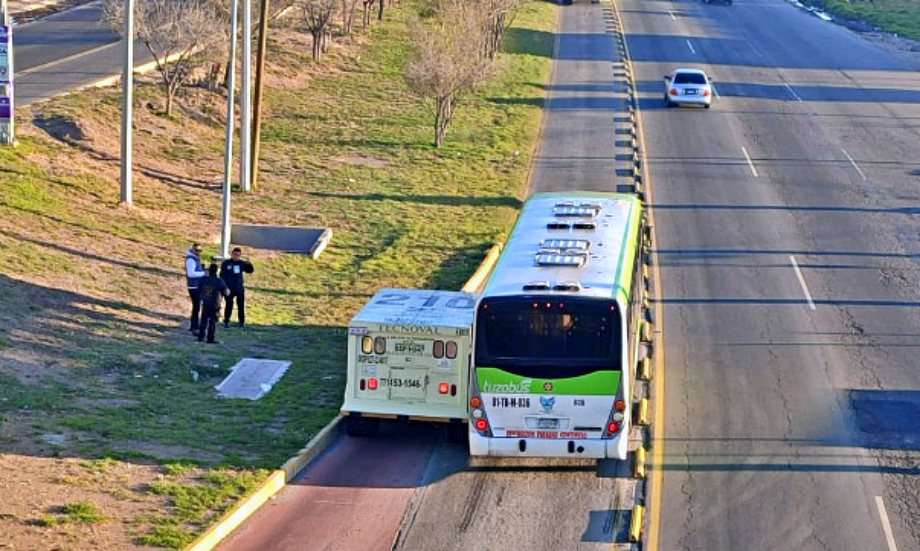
[689,78]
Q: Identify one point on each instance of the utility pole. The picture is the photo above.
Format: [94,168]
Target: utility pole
[127,107]
[257,102]
[245,102]
[7,111]
[228,148]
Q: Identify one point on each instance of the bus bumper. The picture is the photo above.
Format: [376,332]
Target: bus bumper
[594,448]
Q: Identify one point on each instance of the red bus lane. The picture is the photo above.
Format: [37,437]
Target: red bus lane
[353,496]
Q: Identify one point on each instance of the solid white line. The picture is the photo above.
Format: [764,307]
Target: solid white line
[750,162]
[691,47]
[798,274]
[672,15]
[714,91]
[791,91]
[852,162]
[886,526]
[69,58]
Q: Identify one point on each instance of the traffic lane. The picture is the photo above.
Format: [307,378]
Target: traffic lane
[353,496]
[61,35]
[66,75]
[576,150]
[508,503]
[741,469]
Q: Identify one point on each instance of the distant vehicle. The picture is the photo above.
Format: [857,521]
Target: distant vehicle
[557,329]
[687,86]
[409,358]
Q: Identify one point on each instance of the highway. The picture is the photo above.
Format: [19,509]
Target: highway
[787,250]
[787,226]
[66,51]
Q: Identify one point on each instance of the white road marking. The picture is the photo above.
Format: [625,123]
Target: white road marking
[691,47]
[791,91]
[798,274]
[852,162]
[69,58]
[714,91]
[672,15]
[333,502]
[750,162]
[886,525]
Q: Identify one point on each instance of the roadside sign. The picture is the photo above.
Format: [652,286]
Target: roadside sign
[5,47]
[6,108]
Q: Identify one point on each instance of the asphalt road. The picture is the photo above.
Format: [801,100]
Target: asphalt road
[792,316]
[492,504]
[64,52]
[788,219]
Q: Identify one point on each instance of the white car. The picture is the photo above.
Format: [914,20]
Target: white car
[690,86]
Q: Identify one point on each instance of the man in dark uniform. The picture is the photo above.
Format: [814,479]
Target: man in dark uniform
[231,271]
[211,289]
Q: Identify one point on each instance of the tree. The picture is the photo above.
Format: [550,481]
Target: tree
[348,8]
[179,34]
[499,14]
[317,16]
[446,64]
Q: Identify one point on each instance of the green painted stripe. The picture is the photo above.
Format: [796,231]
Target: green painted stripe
[498,381]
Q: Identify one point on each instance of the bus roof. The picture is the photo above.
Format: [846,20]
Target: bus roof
[555,244]
[418,307]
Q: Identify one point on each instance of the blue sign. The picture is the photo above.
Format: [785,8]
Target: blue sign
[6,108]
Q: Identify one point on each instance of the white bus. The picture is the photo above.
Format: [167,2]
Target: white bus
[556,331]
[408,358]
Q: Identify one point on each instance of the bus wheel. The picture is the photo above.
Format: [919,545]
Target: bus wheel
[361,426]
[456,433]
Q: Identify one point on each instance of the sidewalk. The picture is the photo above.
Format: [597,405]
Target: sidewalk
[27,10]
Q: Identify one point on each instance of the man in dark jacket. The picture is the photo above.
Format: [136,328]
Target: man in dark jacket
[231,271]
[211,289]
[194,271]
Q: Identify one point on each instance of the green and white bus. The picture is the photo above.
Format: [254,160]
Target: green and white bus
[556,331]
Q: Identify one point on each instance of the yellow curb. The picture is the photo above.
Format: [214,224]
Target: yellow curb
[481,273]
[643,419]
[138,70]
[645,369]
[276,481]
[640,458]
[635,524]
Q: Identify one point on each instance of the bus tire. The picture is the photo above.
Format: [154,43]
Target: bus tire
[361,427]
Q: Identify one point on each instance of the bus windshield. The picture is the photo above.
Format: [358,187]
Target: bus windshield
[525,332]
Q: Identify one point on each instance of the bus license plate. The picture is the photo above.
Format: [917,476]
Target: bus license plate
[547,423]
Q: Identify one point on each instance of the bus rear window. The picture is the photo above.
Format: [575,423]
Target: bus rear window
[547,331]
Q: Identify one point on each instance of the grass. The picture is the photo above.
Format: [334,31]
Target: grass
[92,341]
[895,16]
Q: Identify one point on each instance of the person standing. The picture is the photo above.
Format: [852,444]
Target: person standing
[194,271]
[211,289]
[231,271]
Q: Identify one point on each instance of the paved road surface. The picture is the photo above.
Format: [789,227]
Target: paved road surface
[791,282]
[65,51]
[785,424]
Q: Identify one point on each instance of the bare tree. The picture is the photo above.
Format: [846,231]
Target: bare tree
[317,17]
[179,34]
[443,69]
[498,16]
[348,9]
[367,5]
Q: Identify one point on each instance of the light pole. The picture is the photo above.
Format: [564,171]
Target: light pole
[228,149]
[246,87]
[127,106]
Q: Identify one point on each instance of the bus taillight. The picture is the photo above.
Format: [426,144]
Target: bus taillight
[475,402]
[443,388]
[613,428]
[437,349]
[451,351]
[380,345]
[619,405]
[482,425]
[367,344]
[372,383]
